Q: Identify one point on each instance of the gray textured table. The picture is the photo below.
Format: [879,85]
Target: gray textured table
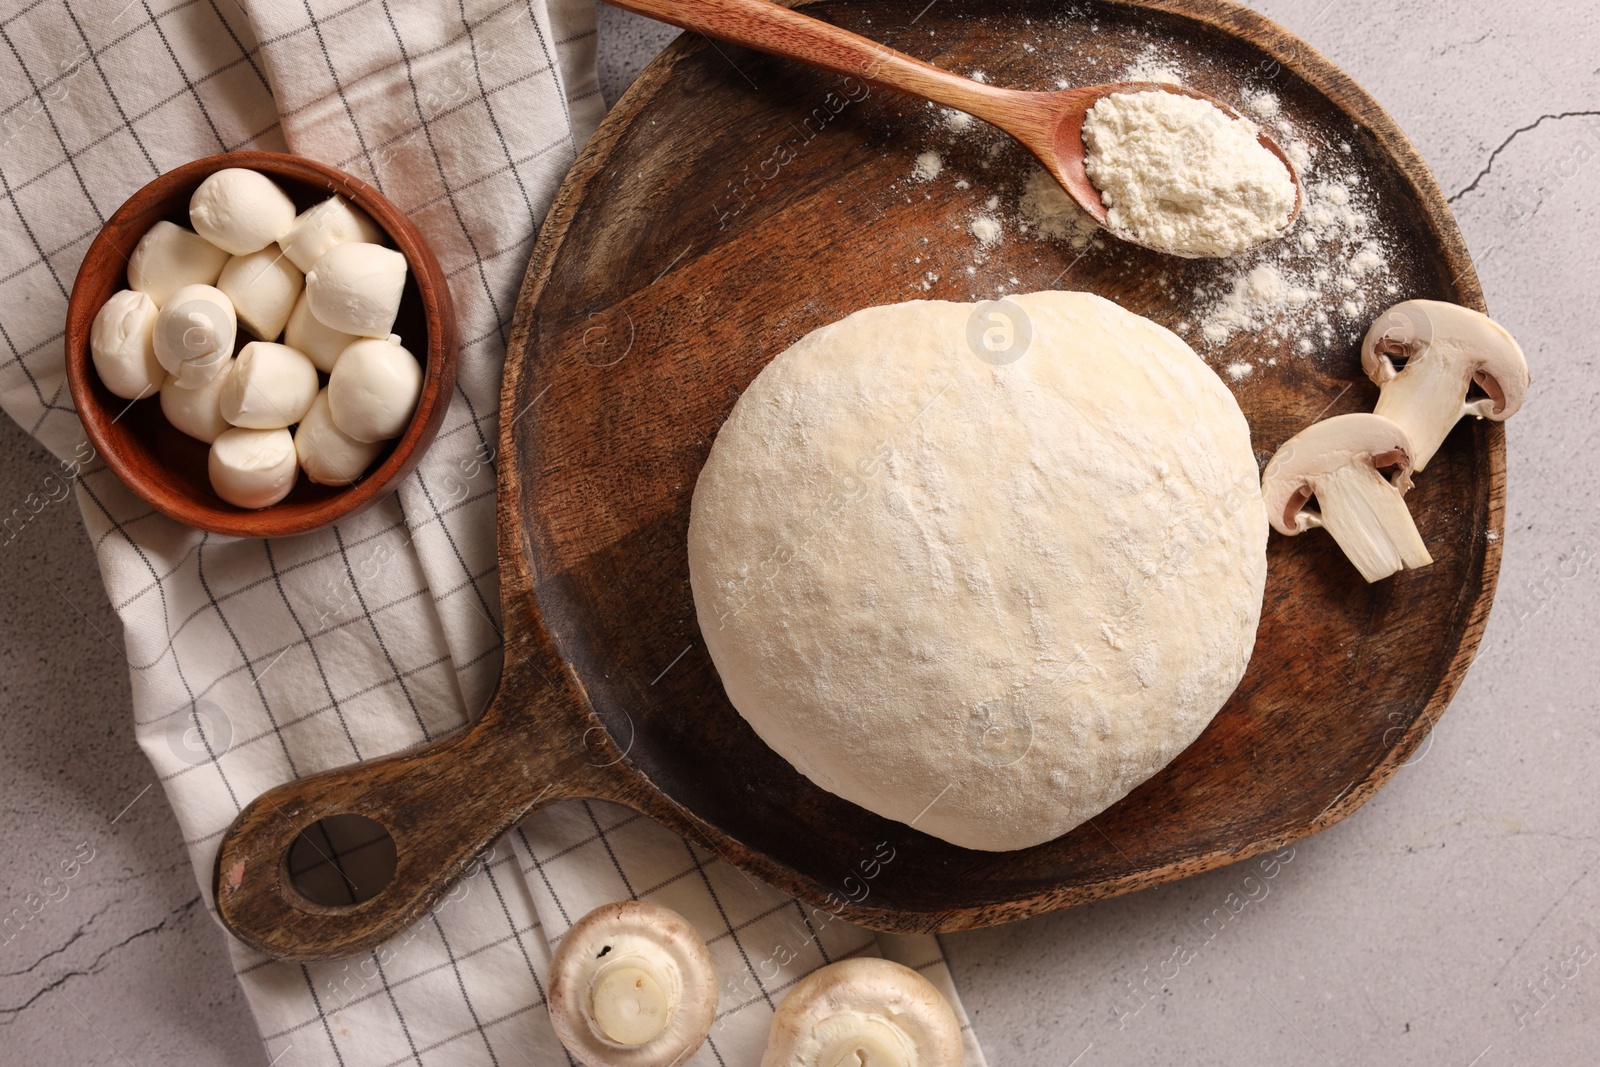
[1452,921]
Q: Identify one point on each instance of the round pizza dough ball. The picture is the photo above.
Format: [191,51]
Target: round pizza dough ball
[981,568]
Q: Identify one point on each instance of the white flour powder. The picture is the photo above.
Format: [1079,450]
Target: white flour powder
[927,167]
[1180,175]
[1047,208]
[1313,291]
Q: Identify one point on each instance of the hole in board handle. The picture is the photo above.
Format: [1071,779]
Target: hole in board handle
[341,860]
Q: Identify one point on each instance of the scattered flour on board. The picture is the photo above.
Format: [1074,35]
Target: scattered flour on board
[1314,288]
[1263,103]
[957,121]
[987,229]
[1048,210]
[1152,66]
[927,166]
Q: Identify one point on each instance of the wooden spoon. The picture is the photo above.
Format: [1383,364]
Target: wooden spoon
[1050,125]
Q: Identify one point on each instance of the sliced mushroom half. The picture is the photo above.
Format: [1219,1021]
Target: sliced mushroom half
[1340,462]
[632,985]
[1425,356]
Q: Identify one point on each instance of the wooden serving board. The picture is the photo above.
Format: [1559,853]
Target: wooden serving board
[710,225]
[729,204]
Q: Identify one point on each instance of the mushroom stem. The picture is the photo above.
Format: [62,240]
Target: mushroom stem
[1368,517]
[861,1039]
[1427,403]
[864,1012]
[632,997]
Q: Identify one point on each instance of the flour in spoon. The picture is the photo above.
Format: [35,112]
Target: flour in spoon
[1180,175]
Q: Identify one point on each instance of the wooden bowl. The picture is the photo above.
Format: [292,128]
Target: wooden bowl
[166,467]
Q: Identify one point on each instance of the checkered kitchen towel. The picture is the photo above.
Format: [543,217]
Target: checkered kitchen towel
[292,656]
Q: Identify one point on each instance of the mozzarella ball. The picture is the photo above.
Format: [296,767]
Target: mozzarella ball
[240,211]
[328,455]
[306,333]
[169,257]
[319,228]
[122,345]
[197,411]
[263,287]
[373,389]
[194,334]
[355,287]
[252,468]
[271,387]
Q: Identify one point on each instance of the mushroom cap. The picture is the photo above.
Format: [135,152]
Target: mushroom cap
[895,1005]
[1291,477]
[681,969]
[1414,330]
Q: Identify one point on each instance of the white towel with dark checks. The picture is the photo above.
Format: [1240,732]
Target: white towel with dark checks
[255,662]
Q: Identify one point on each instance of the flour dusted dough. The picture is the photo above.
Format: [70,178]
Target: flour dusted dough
[984,600]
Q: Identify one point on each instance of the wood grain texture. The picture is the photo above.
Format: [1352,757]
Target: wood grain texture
[166,467]
[653,298]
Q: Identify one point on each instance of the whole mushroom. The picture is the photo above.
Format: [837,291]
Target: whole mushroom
[864,1012]
[632,985]
[1425,355]
[1339,461]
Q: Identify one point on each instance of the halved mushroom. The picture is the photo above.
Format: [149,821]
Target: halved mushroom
[1340,461]
[1424,356]
[864,1012]
[632,985]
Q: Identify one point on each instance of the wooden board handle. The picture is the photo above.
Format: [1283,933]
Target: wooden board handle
[443,804]
[767,27]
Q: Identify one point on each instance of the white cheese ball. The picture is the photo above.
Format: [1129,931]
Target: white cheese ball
[252,468]
[240,211]
[122,345]
[271,387]
[305,332]
[328,455]
[984,588]
[355,287]
[320,227]
[373,389]
[194,334]
[169,257]
[263,287]
[197,411]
